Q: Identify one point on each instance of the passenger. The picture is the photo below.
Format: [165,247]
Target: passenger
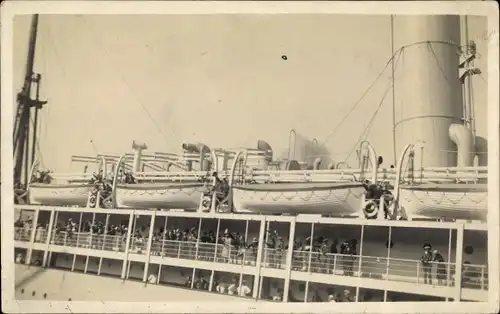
[426,260]
[332,257]
[188,282]
[252,250]
[270,249]
[348,250]
[280,254]
[244,290]
[440,268]
[323,257]
[152,278]
[347,296]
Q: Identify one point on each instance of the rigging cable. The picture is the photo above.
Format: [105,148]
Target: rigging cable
[126,83]
[397,52]
[368,127]
[65,75]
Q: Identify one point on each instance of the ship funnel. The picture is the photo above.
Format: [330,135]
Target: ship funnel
[138,147]
[463,138]
[263,145]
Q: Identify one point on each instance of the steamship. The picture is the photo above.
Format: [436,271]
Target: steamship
[241,223]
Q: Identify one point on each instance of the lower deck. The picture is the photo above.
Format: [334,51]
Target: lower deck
[386,262]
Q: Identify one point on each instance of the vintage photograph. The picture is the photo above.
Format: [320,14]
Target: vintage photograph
[291,158]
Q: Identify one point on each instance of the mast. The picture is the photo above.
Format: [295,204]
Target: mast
[467,70]
[21,134]
[393,96]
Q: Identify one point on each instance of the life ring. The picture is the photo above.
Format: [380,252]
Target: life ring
[370,209]
[206,202]
[223,207]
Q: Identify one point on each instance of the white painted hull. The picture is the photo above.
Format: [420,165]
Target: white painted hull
[60,194]
[455,201]
[185,196]
[299,198]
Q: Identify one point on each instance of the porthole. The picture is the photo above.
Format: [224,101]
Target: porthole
[33,293]
[469,250]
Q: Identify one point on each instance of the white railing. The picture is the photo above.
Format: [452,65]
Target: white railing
[382,268]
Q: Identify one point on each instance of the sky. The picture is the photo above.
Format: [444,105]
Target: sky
[224,80]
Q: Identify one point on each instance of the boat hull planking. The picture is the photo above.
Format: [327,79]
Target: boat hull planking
[60,194]
[455,201]
[299,198]
[186,196]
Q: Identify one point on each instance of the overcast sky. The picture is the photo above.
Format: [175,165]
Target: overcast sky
[221,80]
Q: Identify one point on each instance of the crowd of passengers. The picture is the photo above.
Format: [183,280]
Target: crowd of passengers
[233,247]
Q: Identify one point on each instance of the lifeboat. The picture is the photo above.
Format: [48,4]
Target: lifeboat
[337,192]
[63,189]
[456,201]
[443,192]
[165,190]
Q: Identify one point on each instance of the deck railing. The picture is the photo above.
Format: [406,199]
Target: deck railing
[393,269]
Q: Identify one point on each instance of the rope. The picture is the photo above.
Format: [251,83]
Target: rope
[368,127]
[397,52]
[65,75]
[126,83]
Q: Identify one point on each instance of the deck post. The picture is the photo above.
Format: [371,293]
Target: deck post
[459,263]
[211,282]
[258,262]
[127,244]
[148,247]
[103,246]
[289,260]
[32,237]
[387,265]
[360,259]
[243,261]
[311,242]
[77,240]
[49,237]
[90,243]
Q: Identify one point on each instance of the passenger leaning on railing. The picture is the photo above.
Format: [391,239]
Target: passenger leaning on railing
[440,266]
[426,260]
[270,246]
[348,249]
[323,257]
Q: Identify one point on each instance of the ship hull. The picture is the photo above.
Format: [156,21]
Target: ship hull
[455,201]
[299,198]
[185,196]
[59,194]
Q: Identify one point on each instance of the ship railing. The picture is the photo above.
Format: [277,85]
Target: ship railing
[276,176]
[422,175]
[394,269]
[383,268]
[188,176]
[202,251]
[22,234]
[438,175]
[86,240]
